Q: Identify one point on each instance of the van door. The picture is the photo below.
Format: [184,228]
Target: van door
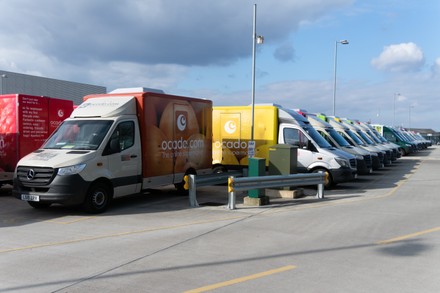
[296,137]
[125,164]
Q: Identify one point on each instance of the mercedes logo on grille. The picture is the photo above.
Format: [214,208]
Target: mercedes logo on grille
[30,174]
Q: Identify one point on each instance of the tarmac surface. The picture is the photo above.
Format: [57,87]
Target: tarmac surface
[380,233]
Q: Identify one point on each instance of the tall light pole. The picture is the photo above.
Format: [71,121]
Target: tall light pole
[343,42]
[394,109]
[3,76]
[409,117]
[255,40]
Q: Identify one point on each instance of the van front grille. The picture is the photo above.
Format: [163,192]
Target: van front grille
[353,163]
[35,176]
[367,159]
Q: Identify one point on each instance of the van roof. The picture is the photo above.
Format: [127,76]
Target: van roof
[136,90]
[110,107]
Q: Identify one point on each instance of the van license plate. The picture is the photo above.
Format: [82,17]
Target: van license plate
[29,197]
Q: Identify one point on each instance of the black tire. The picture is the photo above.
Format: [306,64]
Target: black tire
[98,198]
[219,169]
[39,205]
[402,152]
[328,179]
[180,187]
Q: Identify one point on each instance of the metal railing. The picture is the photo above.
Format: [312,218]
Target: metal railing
[193,181]
[248,183]
[238,183]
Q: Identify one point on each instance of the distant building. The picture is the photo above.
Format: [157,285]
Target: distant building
[429,134]
[17,83]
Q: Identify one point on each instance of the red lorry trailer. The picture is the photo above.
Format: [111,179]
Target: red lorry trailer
[25,123]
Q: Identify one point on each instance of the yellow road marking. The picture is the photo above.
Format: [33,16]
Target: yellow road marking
[39,245]
[242,279]
[66,222]
[408,236]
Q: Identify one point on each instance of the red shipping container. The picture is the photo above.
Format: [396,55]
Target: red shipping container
[25,123]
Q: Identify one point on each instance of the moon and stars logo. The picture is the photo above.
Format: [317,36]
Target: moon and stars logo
[230,126]
[181,122]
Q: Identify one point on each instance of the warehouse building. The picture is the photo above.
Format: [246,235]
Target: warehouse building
[17,83]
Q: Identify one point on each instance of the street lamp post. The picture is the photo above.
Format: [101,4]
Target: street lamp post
[3,76]
[409,117]
[343,42]
[255,40]
[394,109]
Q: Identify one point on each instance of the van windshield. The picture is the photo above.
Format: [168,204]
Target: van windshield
[354,137]
[317,137]
[79,135]
[338,138]
[365,137]
[373,136]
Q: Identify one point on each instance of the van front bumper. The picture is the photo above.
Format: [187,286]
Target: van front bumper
[343,175]
[362,167]
[66,190]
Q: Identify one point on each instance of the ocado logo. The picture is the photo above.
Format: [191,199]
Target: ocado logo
[230,127]
[60,113]
[181,122]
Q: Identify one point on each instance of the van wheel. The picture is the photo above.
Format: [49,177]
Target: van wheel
[402,152]
[97,199]
[219,170]
[328,180]
[180,186]
[39,205]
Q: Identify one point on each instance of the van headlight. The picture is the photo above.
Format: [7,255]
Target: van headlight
[343,162]
[71,170]
[359,157]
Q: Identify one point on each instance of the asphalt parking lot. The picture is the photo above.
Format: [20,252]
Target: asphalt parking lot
[377,234]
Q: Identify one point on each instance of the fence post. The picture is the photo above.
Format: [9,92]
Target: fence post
[192,191]
[320,191]
[231,193]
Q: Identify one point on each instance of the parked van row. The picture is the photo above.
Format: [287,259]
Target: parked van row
[356,136]
[130,140]
[274,124]
[408,141]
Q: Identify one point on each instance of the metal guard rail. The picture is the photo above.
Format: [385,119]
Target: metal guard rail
[193,181]
[236,183]
[258,182]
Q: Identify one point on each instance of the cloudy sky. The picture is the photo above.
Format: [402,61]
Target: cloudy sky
[203,48]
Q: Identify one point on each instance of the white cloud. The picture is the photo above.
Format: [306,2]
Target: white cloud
[436,68]
[404,57]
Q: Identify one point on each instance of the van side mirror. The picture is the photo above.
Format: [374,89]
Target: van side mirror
[113,147]
[310,146]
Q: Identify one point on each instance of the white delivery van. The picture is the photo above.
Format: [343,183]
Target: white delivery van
[363,157]
[352,137]
[369,141]
[118,144]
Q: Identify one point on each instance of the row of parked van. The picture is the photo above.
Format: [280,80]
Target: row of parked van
[342,148]
[408,141]
[130,140]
